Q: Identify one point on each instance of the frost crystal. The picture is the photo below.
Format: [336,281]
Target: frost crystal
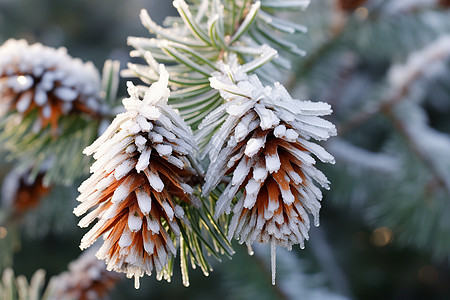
[269,161]
[135,187]
[35,77]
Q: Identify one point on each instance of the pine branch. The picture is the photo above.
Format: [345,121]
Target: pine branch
[411,141]
[403,79]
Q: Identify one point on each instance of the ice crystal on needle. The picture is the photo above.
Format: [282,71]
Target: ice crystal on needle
[264,145]
[138,184]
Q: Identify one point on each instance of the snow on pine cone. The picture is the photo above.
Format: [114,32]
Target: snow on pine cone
[47,79]
[264,145]
[86,279]
[21,191]
[138,183]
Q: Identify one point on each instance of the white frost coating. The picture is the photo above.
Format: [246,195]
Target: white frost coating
[273,163]
[250,200]
[149,245]
[107,135]
[252,186]
[239,109]
[319,151]
[144,201]
[47,111]
[176,162]
[254,145]
[125,239]
[240,172]
[111,211]
[113,145]
[155,137]
[186,188]
[179,212]
[300,155]
[152,225]
[243,128]
[260,174]
[168,209]
[163,150]
[144,160]
[65,93]
[279,131]
[24,102]
[134,221]
[124,168]
[267,117]
[140,141]
[291,135]
[294,175]
[144,125]
[121,192]
[154,180]
[170,136]
[287,195]
[240,131]
[40,97]
[273,204]
[130,149]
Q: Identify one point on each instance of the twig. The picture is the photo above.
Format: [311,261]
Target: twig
[415,149]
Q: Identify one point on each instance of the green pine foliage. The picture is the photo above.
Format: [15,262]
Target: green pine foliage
[392,151]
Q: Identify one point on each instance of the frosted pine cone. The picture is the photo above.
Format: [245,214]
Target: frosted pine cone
[138,183]
[20,192]
[47,79]
[87,279]
[264,145]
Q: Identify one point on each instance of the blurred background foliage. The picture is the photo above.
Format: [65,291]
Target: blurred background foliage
[385,230]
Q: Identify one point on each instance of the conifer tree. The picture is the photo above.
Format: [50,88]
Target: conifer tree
[235,121]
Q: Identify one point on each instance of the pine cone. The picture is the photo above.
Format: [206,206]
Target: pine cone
[21,192]
[264,145]
[139,183]
[47,79]
[87,279]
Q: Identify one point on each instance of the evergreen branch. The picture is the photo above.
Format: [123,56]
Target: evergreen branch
[402,80]
[186,15]
[281,25]
[402,128]
[110,81]
[249,19]
[158,30]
